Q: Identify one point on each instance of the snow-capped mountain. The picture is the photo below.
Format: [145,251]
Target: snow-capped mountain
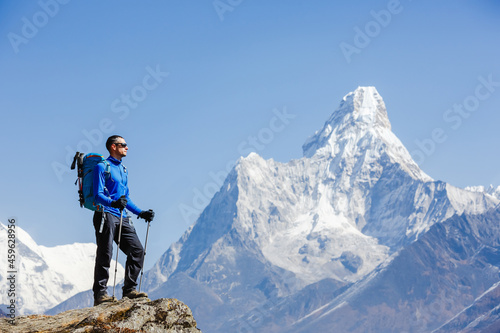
[495,192]
[333,218]
[46,276]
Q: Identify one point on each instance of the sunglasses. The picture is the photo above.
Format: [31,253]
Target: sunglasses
[121,144]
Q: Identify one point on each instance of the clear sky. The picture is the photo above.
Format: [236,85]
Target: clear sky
[194,85]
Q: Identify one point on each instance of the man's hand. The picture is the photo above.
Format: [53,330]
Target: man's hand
[147,215]
[120,203]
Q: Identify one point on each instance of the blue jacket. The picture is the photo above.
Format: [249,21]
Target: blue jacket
[107,189]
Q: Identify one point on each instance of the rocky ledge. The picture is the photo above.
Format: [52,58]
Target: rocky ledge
[126,316]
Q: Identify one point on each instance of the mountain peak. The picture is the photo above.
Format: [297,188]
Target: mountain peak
[359,111]
[358,129]
[366,106]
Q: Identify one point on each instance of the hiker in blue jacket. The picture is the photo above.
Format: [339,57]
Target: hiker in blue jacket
[111,191]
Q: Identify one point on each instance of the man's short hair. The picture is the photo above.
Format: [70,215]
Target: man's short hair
[112,139]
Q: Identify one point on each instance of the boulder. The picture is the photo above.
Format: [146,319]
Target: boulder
[127,315]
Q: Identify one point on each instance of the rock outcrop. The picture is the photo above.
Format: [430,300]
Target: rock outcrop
[139,315]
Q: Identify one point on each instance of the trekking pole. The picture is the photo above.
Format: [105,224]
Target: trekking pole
[118,249]
[145,245]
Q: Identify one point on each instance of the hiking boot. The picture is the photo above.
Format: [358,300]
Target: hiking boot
[134,294]
[105,298]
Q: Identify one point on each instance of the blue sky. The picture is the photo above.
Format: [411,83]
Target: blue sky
[192,86]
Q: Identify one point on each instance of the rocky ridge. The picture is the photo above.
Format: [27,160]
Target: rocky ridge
[143,315]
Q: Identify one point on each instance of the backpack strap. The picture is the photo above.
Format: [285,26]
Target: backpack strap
[107,170]
[107,175]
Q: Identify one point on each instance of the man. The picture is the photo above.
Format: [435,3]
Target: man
[111,191]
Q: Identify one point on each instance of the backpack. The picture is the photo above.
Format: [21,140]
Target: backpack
[85,166]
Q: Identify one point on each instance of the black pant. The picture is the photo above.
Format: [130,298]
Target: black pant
[129,244]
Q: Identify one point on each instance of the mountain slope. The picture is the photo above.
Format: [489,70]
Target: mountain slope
[46,276]
[425,285]
[483,315]
[349,205]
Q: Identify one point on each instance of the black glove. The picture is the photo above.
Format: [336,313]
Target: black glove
[147,215]
[120,203]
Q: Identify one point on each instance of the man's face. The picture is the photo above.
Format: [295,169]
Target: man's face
[120,147]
